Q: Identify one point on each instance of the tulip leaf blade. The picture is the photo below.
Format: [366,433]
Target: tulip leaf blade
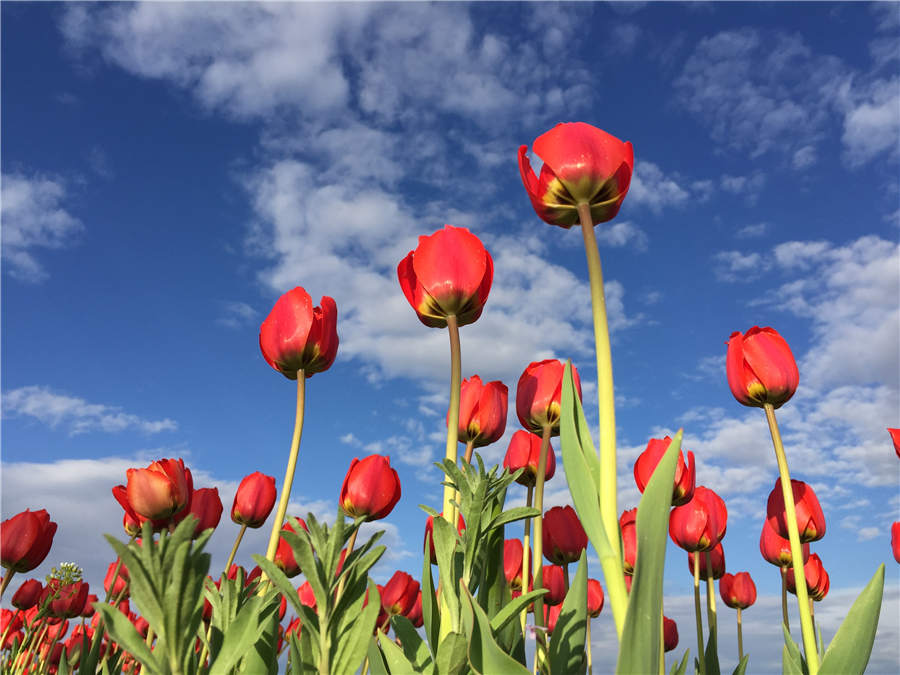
[485,655]
[377,665]
[449,560]
[247,627]
[280,580]
[431,618]
[451,654]
[640,648]
[512,515]
[712,652]
[124,633]
[679,667]
[851,646]
[514,609]
[742,666]
[791,660]
[394,657]
[413,645]
[567,642]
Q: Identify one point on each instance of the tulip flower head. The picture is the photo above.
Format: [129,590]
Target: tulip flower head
[700,524]
[371,488]
[253,500]
[810,519]
[284,554]
[429,534]
[551,615]
[761,368]
[628,526]
[116,583]
[777,549]
[582,165]
[524,453]
[539,393]
[895,541]
[895,438]
[400,593]
[65,600]
[158,492]
[482,411]
[594,598]
[28,594]
[716,560]
[206,507]
[563,537]
[297,336]
[817,582]
[415,614]
[449,273]
[554,580]
[670,634]
[646,463]
[737,590]
[25,540]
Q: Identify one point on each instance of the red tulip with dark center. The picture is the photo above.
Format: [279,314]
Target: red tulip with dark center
[297,336]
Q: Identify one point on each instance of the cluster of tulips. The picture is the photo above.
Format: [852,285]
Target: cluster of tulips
[476,617]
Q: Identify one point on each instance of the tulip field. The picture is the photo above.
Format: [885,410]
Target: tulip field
[542,535]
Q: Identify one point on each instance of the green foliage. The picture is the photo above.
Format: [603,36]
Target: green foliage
[791,661]
[567,642]
[742,666]
[851,646]
[680,667]
[711,655]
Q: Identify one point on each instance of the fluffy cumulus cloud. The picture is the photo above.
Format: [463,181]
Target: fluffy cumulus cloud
[34,217]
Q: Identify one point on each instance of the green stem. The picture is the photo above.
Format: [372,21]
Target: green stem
[453,413]
[237,542]
[539,537]
[662,642]
[288,475]
[790,513]
[740,637]
[589,660]
[6,580]
[784,606]
[526,550]
[700,654]
[609,511]
[710,594]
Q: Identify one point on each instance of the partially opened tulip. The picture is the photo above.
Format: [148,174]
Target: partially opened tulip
[670,634]
[65,600]
[296,336]
[594,598]
[524,453]
[685,474]
[371,488]
[538,395]
[28,594]
[400,593]
[810,519]
[817,581]
[564,537]
[284,553]
[158,492]
[25,540]
[554,580]
[761,368]
[700,524]
[737,590]
[253,500]
[206,507]
[776,549]
[482,413]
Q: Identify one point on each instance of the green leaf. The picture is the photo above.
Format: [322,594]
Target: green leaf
[742,666]
[376,660]
[640,648]
[352,647]
[445,539]
[451,654]
[712,653]
[512,515]
[567,642]
[414,648]
[579,459]
[431,617]
[485,655]
[394,657]
[680,667]
[247,627]
[851,646]
[791,661]
[124,633]
[514,609]
[280,581]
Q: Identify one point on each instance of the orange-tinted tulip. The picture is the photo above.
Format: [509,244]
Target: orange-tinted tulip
[538,395]
[776,549]
[628,526]
[810,519]
[25,540]
[700,524]
[554,579]
[371,488]
[563,537]
[482,411]
[817,582]
[716,559]
[895,541]
[524,453]
[158,492]
[297,336]
[582,165]
[28,594]
[400,592]
[449,273]
[253,500]
[895,438]
[670,634]
[284,554]
[429,532]
[761,368]
[737,590]
[594,598]
[646,463]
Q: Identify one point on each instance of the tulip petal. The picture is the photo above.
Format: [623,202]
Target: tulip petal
[451,265]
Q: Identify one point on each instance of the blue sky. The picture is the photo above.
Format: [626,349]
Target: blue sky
[170,169]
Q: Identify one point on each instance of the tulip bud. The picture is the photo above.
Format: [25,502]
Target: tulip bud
[429,532]
[482,411]
[700,524]
[554,581]
[28,594]
[25,540]
[563,538]
[254,500]
[761,368]
[817,582]
[206,507]
[594,598]
[449,273]
[284,554]
[776,549]
[810,519]
[670,634]
[684,475]
[628,526]
[895,541]
[524,453]
[399,595]
[716,559]
[116,583]
[539,393]
[895,438]
[371,488]
[582,165]
[737,590]
[297,336]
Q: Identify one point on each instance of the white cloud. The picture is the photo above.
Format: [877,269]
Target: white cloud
[748,187]
[656,190]
[79,416]
[33,217]
[872,124]
[754,230]
[622,233]
[739,266]
[237,314]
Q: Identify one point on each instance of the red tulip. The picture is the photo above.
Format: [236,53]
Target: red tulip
[449,274]
[776,549]
[512,563]
[206,507]
[594,598]
[716,559]
[761,368]
[670,634]
[628,526]
[297,336]
[25,540]
[582,165]
[429,532]
[371,488]
[684,474]
[817,582]
[158,492]
[115,583]
[10,620]
[28,594]
[415,614]
[737,590]
[555,582]
[253,500]
[88,610]
[12,637]
[482,411]
[895,438]
[700,524]
[524,452]
[306,595]
[628,579]
[65,600]
[810,519]
[895,542]
[563,536]
[551,615]
[284,554]
[538,395]
[399,594]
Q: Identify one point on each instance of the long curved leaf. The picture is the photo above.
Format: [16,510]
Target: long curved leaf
[851,646]
[567,642]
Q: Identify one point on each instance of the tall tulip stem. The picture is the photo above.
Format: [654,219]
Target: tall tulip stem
[710,593]
[450,514]
[790,514]
[289,472]
[526,551]
[590,664]
[740,637]
[6,580]
[697,610]
[237,542]
[539,533]
[609,511]
[784,607]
